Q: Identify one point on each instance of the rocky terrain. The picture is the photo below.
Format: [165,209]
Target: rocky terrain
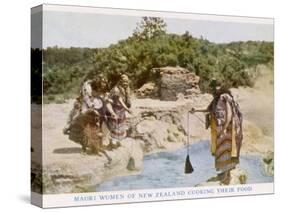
[155,126]
[171,82]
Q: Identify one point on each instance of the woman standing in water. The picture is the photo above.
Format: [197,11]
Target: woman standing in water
[225,119]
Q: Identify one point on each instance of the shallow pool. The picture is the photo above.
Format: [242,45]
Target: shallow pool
[166,170]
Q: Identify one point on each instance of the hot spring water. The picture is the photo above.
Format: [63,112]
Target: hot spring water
[166,170]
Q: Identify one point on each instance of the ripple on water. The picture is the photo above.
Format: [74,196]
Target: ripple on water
[166,170]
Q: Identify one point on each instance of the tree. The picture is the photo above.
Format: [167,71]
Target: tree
[149,27]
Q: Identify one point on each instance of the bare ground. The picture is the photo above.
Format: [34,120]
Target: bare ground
[63,155]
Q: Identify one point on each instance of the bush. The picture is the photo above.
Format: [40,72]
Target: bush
[66,68]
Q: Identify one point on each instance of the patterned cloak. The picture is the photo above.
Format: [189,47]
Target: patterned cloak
[117,127]
[226,131]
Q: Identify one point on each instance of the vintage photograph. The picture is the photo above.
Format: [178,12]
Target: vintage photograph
[150,100]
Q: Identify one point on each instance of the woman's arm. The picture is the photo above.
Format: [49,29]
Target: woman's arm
[110,109]
[193,110]
[124,105]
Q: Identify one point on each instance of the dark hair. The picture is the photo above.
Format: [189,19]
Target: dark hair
[224,89]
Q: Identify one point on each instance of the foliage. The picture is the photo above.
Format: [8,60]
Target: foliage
[149,27]
[148,47]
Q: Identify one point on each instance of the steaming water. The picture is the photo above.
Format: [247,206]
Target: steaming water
[166,170]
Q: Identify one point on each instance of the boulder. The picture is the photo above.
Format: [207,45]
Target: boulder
[268,163]
[148,90]
[158,134]
[238,176]
[175,80]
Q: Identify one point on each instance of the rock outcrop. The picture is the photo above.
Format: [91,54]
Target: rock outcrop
[175,80]
[159,135]
[171,82]
[154,126]
[82,173]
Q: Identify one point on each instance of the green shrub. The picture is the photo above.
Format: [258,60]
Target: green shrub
[65,69]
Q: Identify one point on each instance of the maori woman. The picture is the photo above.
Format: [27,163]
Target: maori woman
[118,103]
[225,120]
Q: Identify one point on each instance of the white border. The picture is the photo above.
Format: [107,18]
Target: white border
[63,200]
[135,196]
[140,13]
